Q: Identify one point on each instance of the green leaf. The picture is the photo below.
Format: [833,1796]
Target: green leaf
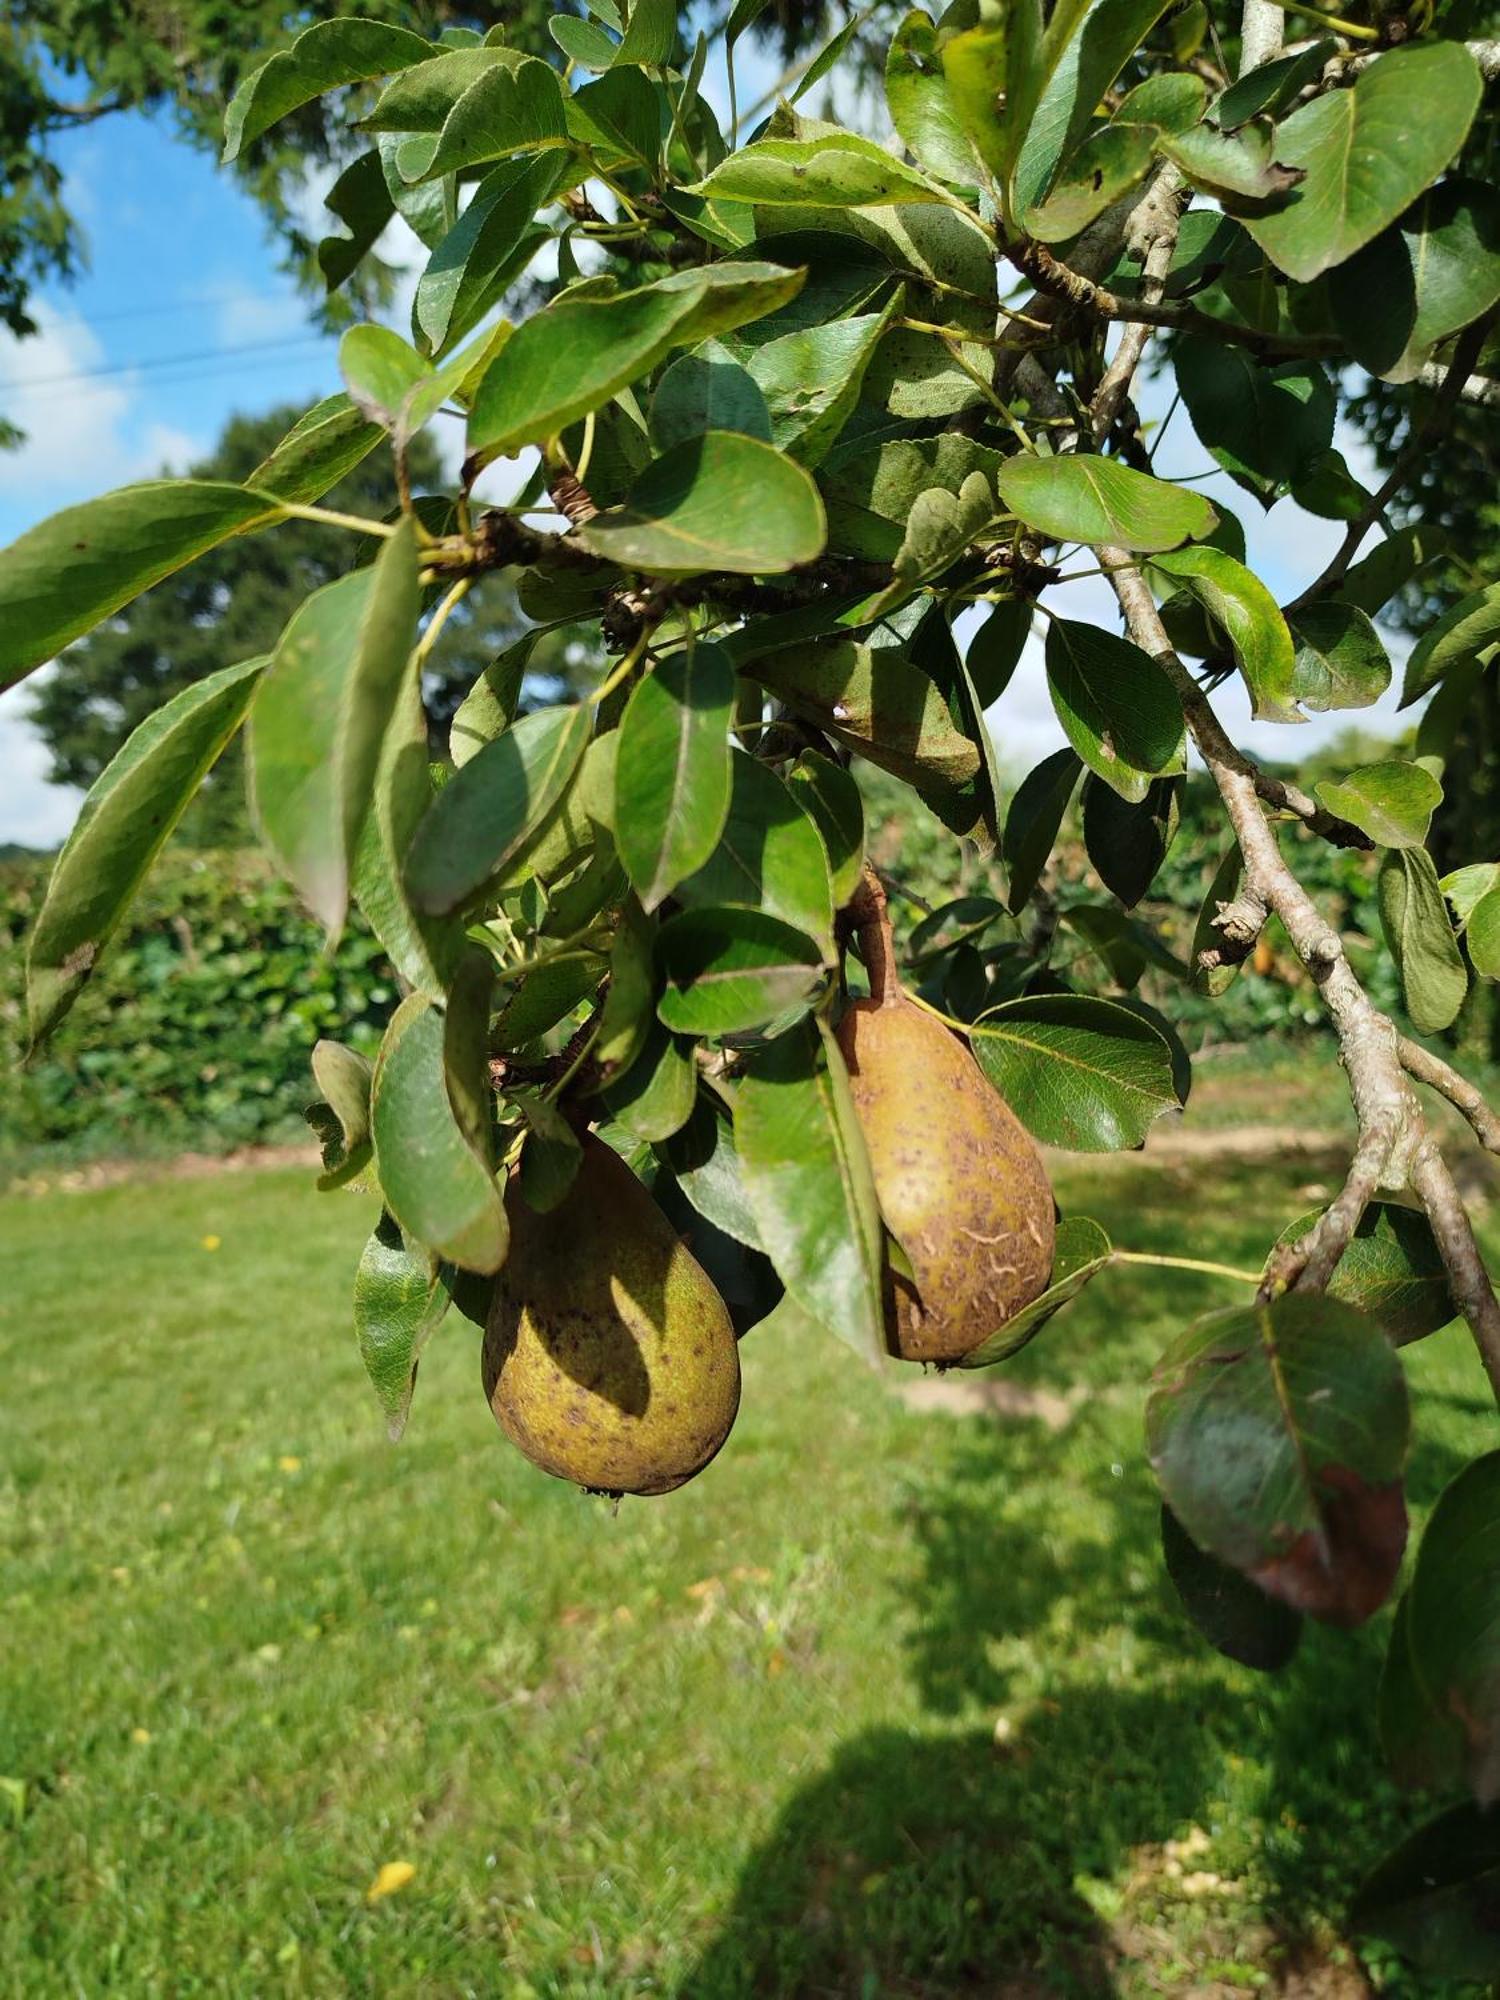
[1414,918]
[870,494]
[939,530]
[421,97]
[1085,67]
[719,502]
[320,717]
[770,856]
[1482,935]
[1172,100]
[583,42]
[362,201]
[672,769]
[811,379]
[474,259]
[503,111]
[807,1177]
[1236,167]
[1279,1434]
[621,113]
[324,57]
[874,700]
[1236,599]
[1082,1251]
[1032,824]
[1434,271]
[1078,1072]
[1471,627]
[575,354]
[424,950]
[437,1185]
[1341,661]
[1116,705]
[1392,1270]
[1440,1704]
[320,449]
[126,820]
[834,170]
[61,578]
[1271,86]
[921,105]
[489,708]
[1467,887]
[1374,580]
[1436,1899]
[1368,153]
[483,817]
[832,801]
[1218,975]
[651,34]
[1128,842]
[399,1300]
[551,1156]
[627,1017]
[344,1077]
[1393,802]
[1080,498]
[704,1160]
[1264,425]
[728,971]
[654,1097]
[996,648]
[1234,1615]
[1107,165]
[707,391]
[974,66]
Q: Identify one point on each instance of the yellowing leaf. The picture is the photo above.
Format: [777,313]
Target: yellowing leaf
[393,1875]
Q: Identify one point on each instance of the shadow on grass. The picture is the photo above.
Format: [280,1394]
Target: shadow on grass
[949,1861]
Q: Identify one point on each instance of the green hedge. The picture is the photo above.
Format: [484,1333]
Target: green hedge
[197,1027]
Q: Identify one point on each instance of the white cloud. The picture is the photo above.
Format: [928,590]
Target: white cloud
[31,811]
[82,433]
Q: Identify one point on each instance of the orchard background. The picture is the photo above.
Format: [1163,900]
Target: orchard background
[784,467]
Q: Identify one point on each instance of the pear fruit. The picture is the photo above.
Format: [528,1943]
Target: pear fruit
[960,1182]
[609,1357]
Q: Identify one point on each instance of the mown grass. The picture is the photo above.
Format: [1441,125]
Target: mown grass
[887,1703]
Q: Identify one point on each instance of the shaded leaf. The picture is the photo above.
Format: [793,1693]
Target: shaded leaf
[439,1188]
[1437,1897]
[483,817]
[728,971]
[707,391]
[1032,823]
[344,1077]
[1440,1703]
[874,700]
[1432,272]
[1392,1270]
[654,1097]
[672,770]
[703,1156]
[834,170]
[1279,1434]
[1116,705]
[1471,627]
[1265,425]
[1414,918]
[322,58]
[551,1156]
[1236,599]
[769,856]
[1341,660]
[1127,842]
[321,448]
[124,823]
[832,801]
[1233,1614]
[811,379]
[399,1300]
[807,1176]
[1078,1072]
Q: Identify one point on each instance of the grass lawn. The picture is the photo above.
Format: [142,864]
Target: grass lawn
[888,1703]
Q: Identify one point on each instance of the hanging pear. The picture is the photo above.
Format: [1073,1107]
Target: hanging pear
[609,1357]
[961,1185]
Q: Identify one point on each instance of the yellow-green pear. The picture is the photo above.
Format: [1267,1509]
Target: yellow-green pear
[609,1357]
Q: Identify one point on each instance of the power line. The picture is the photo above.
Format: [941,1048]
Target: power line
[151,363]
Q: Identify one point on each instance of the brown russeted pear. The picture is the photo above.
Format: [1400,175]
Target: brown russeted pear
[609,1357]
[961,1185]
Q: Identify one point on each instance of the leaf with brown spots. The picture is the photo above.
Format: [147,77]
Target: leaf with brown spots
[1279,1434]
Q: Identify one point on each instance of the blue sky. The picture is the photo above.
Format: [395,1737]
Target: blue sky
[181,266]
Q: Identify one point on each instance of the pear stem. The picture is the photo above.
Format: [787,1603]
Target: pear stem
[1185,1264]
[877,946]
